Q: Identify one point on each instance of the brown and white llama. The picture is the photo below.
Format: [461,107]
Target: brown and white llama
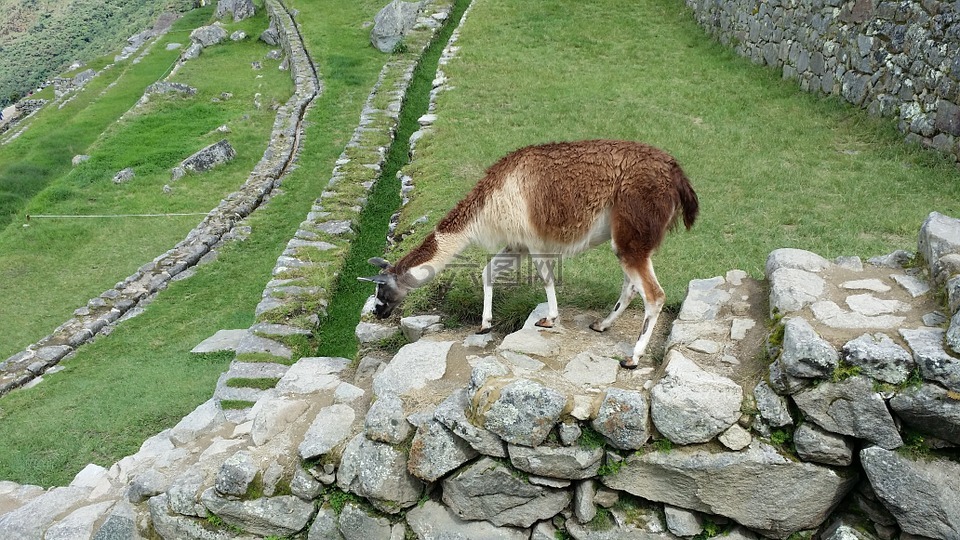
[559,199]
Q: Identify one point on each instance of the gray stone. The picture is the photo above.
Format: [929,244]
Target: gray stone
[896,259]
[79,523]
[272,416]
[329,429]
[756,487]
[183,495]
[209,157]
[304,485]
[240,9]
[386,421]
[223,340]
[252,344]
[478,341]
[392,23]
[311,375]
[841,530]
[690,405]
[324,526]
[452,413]
[31,519]
[569,432]
[773,407]
[124,176]
[78,159]
[939,236]
[796,259]
[804,353]
[935,363]
[378,472]
[832,315]
[530,341]
[704,300]
[850,407]
[433,521]
[735,438]
[817,445]
[568,462]
[238,35]
[147,484]
[204,419]
[522,412]
[623,418]
[914,285]
[414,328]
[270,36]
[929,409]
[871,284]
[953,333]
[369,333]
[356,524]
[879,357]
[335,227]
[169,525]
[119,524]
[283,515]
[192,52]
[236,474]
[205,36]
[166,87]
[414,365]
[683,522]
[591,370]
[792,289]
[869,305]
[489,490]
[435,451]
[924,496]
[583,508]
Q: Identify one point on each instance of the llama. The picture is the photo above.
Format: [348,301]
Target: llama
[559,199]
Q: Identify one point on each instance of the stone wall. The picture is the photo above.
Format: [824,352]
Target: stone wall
[893,58]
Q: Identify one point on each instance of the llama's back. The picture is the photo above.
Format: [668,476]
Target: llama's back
[559,196]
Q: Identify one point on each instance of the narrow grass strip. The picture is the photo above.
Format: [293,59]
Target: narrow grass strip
[336,336]
[260,383]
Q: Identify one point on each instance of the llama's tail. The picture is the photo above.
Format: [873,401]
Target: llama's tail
[688,197]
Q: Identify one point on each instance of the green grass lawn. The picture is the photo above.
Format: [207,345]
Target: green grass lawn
[141,379]
[773,167]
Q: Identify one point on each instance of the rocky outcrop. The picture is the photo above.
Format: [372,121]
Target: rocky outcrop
[392,23]
[239,9]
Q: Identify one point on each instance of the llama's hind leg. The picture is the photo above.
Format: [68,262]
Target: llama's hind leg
[653,300]
[627,293]
[504,261]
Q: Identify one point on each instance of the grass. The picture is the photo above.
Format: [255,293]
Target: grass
[337,330]
[141,379]
[84,257]
[773,167]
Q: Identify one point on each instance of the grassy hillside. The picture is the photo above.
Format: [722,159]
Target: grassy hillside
[144,368]
[40,38]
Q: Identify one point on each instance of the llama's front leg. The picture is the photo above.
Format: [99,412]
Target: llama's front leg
[545,269]
[627,293]
[499,263]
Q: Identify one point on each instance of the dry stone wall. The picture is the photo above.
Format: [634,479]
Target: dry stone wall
[893,58]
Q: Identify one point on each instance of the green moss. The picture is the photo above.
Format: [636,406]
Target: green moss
[844,371]
[260,383]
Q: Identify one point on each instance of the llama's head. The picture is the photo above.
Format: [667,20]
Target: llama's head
[389,291]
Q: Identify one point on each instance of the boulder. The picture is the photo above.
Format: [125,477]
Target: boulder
[124,176]
[792,289]
[690,405]
[817,445]
[521,412]
[240,9]
[206,36]
[773,407]
[433,521]
[331,427]
[452,414]
[489,490]
[757,487]
[797,259]
[850,407]
[31,519]
[935,363]
[392,22]
[378,472]
[879,357]
[386,422]
[923,496]
[356,523]
[436,450]
[583,507]
[284,515]
[414,365]
[939,236]
[929,409]
[414,328]
[804,353]
[215,154]
[623,418]
[569,462]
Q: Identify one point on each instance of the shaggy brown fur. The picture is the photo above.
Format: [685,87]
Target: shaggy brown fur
[565,198]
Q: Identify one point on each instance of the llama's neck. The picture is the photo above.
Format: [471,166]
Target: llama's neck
[428,259]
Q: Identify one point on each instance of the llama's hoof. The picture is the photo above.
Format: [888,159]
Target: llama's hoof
[483,330]
[544,323]
[625,364]
[595,326]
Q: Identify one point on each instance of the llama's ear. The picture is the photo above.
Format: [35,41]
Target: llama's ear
[378,279]
[378,262]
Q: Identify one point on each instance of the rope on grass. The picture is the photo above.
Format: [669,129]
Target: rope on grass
[89,216]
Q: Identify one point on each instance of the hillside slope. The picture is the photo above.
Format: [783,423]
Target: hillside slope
[39,38]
